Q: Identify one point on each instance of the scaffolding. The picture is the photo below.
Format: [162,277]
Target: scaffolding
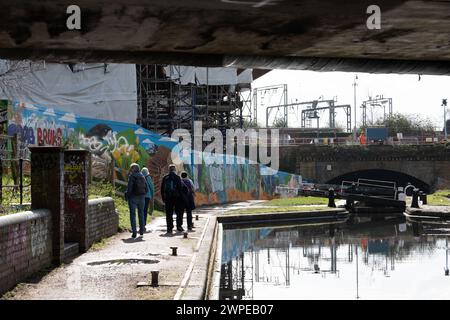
[164,104]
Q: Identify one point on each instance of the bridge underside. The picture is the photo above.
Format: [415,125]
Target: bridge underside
[329,35]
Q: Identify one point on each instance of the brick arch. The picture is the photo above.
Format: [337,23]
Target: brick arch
[401,178]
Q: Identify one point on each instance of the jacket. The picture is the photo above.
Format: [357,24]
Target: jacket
[131,181]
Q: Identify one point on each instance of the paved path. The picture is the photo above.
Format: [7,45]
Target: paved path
[113,270]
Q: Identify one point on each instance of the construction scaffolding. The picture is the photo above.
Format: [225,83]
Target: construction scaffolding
[167,102]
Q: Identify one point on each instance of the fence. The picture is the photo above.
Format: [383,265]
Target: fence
[15,184]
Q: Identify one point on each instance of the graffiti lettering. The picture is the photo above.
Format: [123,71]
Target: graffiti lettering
[25,133]
[38,238]
[50,137]
[75,191]
[109,143]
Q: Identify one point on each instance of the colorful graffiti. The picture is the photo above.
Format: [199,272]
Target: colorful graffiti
[126,143]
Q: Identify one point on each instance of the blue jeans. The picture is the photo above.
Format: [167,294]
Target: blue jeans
[133,203]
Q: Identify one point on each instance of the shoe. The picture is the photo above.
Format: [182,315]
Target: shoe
[189,229]
[180,229]
[134,235]
[169,231]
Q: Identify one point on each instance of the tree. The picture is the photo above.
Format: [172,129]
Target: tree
[408,124]
[280,123]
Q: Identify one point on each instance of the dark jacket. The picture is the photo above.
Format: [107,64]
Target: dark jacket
[178,187]
[131,181]
[188,194]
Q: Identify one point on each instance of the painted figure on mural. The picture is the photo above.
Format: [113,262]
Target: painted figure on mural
[189,201]
[135,195]
[171,193]
[149,196]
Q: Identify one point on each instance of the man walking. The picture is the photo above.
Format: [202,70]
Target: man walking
[135,195]
[171,193]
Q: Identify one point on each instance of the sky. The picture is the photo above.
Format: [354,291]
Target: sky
[410,95]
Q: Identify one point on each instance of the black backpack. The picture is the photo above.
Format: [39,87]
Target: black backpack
[140,186]
[170,187]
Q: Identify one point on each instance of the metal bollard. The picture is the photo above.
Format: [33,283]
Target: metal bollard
[155,275]
[331,195]
[415,199]
[196,217]
[185,234]
[174,250]
[423,197]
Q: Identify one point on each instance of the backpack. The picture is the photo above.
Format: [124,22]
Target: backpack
[170,187]
[140,186]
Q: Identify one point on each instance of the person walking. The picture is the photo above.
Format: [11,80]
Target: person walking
[135,195]
[148,205]
[189,202]
[171,193]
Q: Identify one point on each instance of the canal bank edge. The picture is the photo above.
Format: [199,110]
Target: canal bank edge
[195,281]
[281,219]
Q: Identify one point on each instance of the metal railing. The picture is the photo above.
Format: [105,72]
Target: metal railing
[17,174]
[370,183]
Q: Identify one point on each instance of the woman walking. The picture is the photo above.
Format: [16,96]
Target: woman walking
[148,205]
[189,202]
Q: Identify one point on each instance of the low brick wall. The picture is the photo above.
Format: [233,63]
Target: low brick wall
[25,246]
[102,220]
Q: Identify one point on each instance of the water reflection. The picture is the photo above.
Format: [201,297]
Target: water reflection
[391,259]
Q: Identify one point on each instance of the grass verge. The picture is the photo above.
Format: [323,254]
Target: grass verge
[296,201]
[439,198]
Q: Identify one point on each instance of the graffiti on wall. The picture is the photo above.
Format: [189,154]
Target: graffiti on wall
[126,143]
[39,237]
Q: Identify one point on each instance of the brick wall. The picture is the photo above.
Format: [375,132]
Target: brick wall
[102,219]
[25,246]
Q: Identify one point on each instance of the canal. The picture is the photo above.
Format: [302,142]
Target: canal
[389,259]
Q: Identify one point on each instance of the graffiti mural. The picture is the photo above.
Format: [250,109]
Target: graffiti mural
[126,143]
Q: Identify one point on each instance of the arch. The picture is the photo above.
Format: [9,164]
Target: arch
[402,179]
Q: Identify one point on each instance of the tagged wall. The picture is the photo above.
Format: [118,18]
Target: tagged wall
[25,246]
[127,143]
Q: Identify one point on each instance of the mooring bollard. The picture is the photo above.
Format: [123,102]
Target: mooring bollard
[196,217]
[415,199]
[155,275]
[423,197]
[185,234]
[331,203]
[174,250]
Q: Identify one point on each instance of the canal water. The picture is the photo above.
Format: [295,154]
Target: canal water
[391,259]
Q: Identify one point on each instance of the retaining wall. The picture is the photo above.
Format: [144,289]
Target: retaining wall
[25,246]
[102,220]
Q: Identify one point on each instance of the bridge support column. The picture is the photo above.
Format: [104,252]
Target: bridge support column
[47,191]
